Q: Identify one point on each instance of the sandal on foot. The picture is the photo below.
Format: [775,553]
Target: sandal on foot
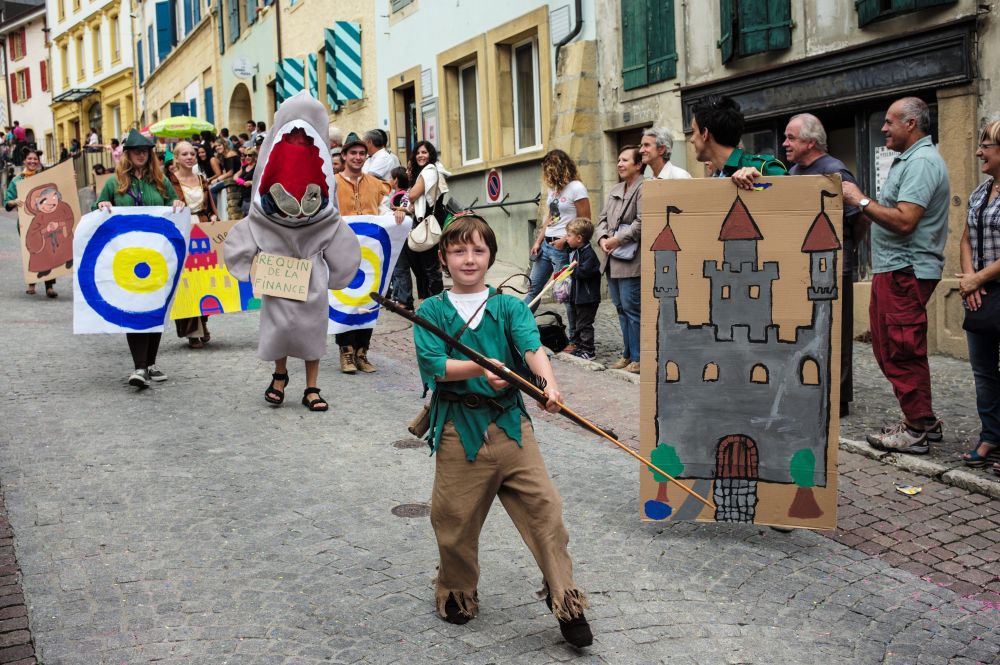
[272,395]
[30,290]
[51,292]
[195,343]
[974,459]
[318,404]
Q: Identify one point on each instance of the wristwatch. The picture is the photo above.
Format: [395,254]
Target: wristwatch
[864,202]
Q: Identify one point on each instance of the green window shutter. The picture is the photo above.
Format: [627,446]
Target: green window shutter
[661,41]
[764,25]
[634,43]
[868,11]
[921,4]
[727,24]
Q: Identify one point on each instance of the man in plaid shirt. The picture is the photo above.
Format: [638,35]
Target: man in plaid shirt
[909,231]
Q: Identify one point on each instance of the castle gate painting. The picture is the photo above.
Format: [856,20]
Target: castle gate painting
[740,349]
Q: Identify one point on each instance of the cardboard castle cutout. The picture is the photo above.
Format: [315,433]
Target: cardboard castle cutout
[740,349]
[47,220]
[206,286]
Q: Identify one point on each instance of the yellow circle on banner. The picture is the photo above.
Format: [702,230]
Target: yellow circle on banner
[139,269]
[369,255]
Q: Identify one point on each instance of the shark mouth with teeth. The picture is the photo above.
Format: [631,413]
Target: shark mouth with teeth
[293,186]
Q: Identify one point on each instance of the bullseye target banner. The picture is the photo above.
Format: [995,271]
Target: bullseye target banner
[127,265]
[382,240]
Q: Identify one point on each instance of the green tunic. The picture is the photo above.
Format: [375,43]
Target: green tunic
[502,313]
[11,192]
[141,193]
[766,164]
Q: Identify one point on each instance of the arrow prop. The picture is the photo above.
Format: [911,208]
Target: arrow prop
[526,387]
[557,276]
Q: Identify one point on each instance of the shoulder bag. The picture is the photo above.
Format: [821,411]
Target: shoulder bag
[626,252]
[986,319]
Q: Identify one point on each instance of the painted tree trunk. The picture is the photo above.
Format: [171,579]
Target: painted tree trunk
[661,493]
[804,505]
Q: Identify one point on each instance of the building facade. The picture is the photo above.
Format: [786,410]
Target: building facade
[328,49]
[27,85]
[246,38]
[514,82]
[778,58]
[92,69]
[175,48]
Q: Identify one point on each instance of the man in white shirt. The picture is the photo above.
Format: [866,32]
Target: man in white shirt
[380,161]
[655,152]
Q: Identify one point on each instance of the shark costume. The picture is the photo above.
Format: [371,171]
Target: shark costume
[294,212]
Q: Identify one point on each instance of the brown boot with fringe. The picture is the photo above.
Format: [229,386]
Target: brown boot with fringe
[453,613]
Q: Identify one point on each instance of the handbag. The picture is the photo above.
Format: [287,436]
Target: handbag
[986,319]
[553,333]
[425,235]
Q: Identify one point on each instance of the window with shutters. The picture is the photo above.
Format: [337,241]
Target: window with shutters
[142,63]
[22,86]
[64,64]
[468,114]
[649,46]
[753,26]
[396,5]
[527,124]
[43,75]
[18,44]
[870,11]
[234,20]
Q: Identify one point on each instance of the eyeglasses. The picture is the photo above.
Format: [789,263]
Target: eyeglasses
[985,146]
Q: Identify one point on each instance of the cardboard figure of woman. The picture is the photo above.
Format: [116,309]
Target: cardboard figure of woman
[294,219]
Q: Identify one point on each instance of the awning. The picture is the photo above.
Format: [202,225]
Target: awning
[74,94]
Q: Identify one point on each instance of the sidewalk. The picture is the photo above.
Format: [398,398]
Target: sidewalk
[874,405]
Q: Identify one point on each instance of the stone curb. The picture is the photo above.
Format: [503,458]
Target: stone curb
[955,476]
[594,366]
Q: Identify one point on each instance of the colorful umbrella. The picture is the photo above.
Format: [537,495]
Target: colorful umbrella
[180,127]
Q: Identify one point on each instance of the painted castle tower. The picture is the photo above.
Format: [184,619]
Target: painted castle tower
[730,395]
[206,287]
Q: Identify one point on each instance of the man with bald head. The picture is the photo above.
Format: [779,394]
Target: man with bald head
[805,149]
[909,231]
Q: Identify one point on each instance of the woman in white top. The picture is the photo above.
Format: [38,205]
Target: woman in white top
[192,188]
[567,199]
[429,183]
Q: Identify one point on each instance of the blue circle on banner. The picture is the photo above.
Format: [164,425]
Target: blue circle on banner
[380,235]
[108,231]
[142,270]
[493,186]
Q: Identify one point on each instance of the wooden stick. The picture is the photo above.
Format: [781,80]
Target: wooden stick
[527,387]
[552,282]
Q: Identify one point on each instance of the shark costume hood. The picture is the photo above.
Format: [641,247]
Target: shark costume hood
[294,212]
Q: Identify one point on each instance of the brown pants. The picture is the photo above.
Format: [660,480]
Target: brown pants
[462,497]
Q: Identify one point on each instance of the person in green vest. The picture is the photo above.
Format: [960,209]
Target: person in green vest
[718,125]
[139,181]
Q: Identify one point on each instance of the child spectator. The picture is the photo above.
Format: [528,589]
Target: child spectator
[401,285]
[585,286]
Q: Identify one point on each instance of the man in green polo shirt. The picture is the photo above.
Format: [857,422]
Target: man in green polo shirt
[909,231]
[717,125]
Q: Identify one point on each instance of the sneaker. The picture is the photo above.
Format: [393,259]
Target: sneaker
[585,355]
[935,431]
[139,378]
[621,363]
[900,439]
[632,367]
[155,373]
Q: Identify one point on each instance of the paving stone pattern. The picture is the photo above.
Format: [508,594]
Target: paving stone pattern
[15,638]
[191,523]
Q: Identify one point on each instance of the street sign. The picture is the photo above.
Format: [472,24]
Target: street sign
[494,186]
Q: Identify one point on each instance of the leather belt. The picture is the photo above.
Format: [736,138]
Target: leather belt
[477,401]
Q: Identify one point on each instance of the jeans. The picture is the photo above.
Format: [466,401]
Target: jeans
[402,285]
[984,356]
[548,261]
[625,295]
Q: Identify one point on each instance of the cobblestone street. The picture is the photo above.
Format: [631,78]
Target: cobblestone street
[192,523]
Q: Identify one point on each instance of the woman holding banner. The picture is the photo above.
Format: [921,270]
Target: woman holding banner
[32,166]
[139,181]
[193,190]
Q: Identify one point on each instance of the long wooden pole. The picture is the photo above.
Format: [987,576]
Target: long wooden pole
[527,387]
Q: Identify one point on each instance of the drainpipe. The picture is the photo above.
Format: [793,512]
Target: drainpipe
[565,40]
[277,25]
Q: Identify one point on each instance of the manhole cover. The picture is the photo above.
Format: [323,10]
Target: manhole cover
[409,443]
[412,510]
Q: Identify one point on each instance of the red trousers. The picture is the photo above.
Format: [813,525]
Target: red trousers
[898,319]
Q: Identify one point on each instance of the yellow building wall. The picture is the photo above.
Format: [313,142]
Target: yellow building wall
[194,59]
[117,90]
[302,32]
